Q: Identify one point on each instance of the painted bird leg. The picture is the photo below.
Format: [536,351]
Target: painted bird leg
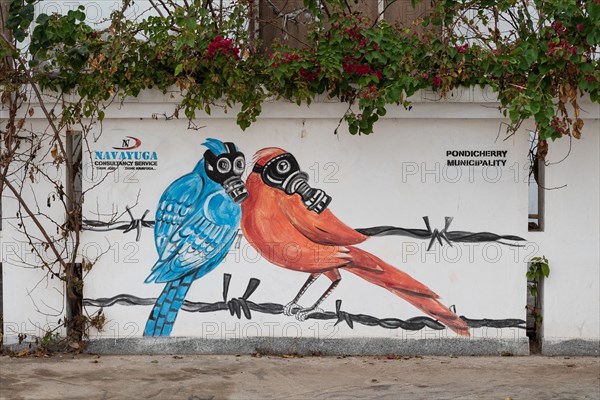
[303,313]
[293,306]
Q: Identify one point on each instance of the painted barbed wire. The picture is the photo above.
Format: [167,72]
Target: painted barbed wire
[239,306]
[439,235]
[424,234]
[125,226]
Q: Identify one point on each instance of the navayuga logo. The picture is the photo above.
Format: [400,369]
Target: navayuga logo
[126,143]
[126,156]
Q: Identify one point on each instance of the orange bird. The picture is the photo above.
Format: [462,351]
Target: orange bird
[289,224]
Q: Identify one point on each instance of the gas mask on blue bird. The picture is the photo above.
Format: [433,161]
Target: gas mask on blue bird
[283,172]
[227,169]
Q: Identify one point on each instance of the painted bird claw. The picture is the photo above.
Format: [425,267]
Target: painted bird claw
[303,313]
[291,308]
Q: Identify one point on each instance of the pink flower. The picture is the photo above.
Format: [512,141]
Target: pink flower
[225,47]
[370,92]
[352,32]
[436,81]
[462,49]
[352,67]
[309,76]
[580,27]
[289,57]
[557,25]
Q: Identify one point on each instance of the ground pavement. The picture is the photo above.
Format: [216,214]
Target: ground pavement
[196,377]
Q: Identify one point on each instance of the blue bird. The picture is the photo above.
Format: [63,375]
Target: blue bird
[196,222]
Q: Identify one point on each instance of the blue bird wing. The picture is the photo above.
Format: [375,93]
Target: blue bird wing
[190,234]
[177,205]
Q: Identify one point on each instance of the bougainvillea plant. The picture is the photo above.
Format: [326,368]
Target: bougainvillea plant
[538,56]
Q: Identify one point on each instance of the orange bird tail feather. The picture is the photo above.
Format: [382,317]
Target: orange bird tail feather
[378,272]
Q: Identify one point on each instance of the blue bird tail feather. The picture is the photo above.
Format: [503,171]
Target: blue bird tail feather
[163,314]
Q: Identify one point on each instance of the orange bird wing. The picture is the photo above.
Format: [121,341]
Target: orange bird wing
[324,228]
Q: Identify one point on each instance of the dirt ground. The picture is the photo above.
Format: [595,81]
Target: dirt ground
[194,377]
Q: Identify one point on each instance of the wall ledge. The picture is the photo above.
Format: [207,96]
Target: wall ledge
[471,102]
[311,346]
[571,347]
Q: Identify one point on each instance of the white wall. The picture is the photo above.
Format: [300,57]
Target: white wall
[394,177]
[571,237]
[33,301]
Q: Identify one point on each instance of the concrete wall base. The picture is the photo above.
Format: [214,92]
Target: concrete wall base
[570,347]
[309,346]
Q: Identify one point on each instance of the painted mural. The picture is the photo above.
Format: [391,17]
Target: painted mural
[197,220]
[289,223]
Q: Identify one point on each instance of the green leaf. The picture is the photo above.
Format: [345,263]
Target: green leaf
[42,19]
[530,274]
[19,34]
[530,56]
[546,270]
[593,10]
[353,129]
[178,69]
[191,23]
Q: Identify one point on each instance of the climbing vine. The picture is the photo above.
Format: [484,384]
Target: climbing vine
[538,56]
[539,268]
